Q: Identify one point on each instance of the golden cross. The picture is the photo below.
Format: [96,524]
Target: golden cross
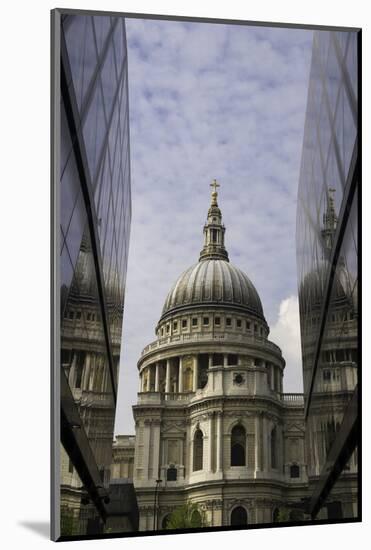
[215,185]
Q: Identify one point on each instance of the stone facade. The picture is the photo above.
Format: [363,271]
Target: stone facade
[212,421]
[123,457]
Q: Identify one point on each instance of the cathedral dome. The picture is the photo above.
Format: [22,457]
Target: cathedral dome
[213,281]
[216,282]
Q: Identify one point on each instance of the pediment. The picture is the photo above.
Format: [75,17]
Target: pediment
[294,429]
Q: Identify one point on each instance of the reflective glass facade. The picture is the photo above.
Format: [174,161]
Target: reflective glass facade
[327,259]
[95,214]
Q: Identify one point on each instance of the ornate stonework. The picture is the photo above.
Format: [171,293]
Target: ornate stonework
[211,416]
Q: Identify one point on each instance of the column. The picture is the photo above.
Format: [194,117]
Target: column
[225,359]
[210,360]
[211,438]
[156,449]
[180,375]
[148,378]
[71,374]
[85,382]
[272,376]
[219,443]
[146,441]
[167,385]
[265,448]
[141,378]
[257,444]
[195,373]
[157,377]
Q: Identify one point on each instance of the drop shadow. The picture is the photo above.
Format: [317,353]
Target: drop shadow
[42,528]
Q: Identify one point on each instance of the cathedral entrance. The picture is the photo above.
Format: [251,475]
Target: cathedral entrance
[238,516]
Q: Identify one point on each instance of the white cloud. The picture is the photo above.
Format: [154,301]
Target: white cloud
[286,334]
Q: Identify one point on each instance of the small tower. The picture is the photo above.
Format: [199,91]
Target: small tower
[329,222]
[214,230]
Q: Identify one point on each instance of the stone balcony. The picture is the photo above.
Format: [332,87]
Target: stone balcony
[96,399]
[292,399]
[157,398]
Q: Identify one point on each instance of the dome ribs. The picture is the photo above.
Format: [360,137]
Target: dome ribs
[213,281]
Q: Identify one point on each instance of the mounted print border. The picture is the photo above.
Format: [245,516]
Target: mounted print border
[241,148]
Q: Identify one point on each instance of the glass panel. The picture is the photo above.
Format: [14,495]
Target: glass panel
[333,77]
[109,82]
[351,62]
[102,27]
[82,54]
[94,130]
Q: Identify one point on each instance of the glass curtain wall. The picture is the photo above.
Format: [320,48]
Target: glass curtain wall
[95,214]
[327,260]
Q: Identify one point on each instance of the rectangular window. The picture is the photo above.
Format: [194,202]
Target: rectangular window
[78,314]
[71,315]
[184,323]
[255,328]
[205,321]
[232,359]
[175,325]
[217,321]
[239,323]
[327,375]
[248,325]
[88,316]
[167,328]
[217,359]
[194,322]
[228,322]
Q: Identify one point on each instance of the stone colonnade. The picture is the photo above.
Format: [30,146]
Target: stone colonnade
[180,374]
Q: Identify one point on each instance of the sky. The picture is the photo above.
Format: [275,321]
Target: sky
[213,101]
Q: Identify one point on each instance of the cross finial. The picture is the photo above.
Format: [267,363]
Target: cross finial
[214,185]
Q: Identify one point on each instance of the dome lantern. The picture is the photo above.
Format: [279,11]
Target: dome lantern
[214,230]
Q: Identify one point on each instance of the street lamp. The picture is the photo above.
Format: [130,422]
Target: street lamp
[158,481]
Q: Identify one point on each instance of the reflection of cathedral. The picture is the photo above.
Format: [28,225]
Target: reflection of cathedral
[85,364]
[212,422]
[336,376]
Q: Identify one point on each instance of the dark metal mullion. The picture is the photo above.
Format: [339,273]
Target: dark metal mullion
[338,241]
[344,72]
[82,166]
[339,454]
[76,443]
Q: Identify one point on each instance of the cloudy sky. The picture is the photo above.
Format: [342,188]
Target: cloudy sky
[213,101]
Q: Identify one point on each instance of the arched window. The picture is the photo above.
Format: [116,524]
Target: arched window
[274,448]
[239,516]
[294,470]
[165,521]
[171,474]
[238,446]
[198,451]
[196,519]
